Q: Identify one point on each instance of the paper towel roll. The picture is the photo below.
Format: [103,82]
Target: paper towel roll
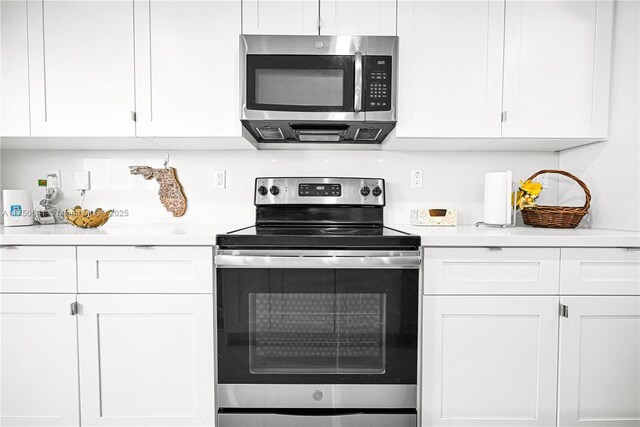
[497,198]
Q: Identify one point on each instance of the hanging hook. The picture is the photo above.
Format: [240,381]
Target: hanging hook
[166,160]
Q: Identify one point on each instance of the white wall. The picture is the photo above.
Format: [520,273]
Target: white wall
[611,170]
[451,179]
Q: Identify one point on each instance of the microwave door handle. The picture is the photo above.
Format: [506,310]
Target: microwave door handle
[357,98]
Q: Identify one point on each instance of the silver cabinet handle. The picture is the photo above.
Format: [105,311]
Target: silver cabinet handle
[261,261]
[8,247]
[357,98]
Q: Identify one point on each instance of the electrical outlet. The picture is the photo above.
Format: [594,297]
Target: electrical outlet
[416,178]
[544,180]
[220,179]
[53,179]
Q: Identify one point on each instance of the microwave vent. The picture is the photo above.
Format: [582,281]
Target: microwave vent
[268,132]
[367,134]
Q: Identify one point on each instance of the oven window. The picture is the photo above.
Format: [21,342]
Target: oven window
[300,87]
[317,333]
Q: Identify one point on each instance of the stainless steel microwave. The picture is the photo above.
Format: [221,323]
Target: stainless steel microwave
[318,89]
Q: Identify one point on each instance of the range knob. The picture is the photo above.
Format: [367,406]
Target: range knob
[262,190]
[377,191]
[274,190]
[365,191]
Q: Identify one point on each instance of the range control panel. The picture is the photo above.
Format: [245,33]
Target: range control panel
[377,76]
[320,191]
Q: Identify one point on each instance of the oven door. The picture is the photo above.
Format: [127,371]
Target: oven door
[317,329]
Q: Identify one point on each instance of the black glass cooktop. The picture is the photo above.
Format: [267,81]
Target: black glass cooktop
[318,237]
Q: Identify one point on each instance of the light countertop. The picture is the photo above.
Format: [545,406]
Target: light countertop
[204,235]
[117,234]
[524,236]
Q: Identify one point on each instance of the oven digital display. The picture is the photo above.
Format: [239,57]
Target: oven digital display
[319,190]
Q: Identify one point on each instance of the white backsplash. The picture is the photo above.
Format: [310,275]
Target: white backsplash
[451,179]
[611,170]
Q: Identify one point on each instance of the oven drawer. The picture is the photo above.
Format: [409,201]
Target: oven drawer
[145,269]
[46,269]
[491,271]
[357,419]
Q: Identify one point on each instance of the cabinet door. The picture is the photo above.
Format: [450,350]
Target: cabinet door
[556,68]
[450,68]
[14,73]
[38,361]
[187,68]
[600,362]
[358,17]
[489,361]
[146,360]
[81,67]
[293,17]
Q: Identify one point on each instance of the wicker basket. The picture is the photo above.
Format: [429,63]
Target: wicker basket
[557,216]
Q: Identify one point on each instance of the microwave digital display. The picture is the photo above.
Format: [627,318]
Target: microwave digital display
[319,190]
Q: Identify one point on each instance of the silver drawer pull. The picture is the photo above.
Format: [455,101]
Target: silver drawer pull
[8,247]
[143,247]
[633,249]
[494,248]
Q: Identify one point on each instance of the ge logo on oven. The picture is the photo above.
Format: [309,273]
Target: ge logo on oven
[317,395]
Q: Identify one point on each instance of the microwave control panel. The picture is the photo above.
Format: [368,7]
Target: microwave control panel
[377,83]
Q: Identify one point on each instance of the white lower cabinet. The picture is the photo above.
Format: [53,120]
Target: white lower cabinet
[146,360]
[599,381]
[489,360]
[38,361]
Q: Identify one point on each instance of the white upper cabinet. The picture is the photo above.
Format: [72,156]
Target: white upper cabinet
[81,68]
[450,82]
[187,68]
[599,382]
[14,72]
[556,68]
[326,17]
[358,17]
[280,17]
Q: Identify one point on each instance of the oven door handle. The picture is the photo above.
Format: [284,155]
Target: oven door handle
[335,262]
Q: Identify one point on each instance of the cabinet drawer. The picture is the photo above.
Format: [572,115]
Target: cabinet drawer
[42,269]
[145,269]
[491,271]
[600,271]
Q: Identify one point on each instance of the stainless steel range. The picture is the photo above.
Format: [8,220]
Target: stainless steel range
[317,309]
